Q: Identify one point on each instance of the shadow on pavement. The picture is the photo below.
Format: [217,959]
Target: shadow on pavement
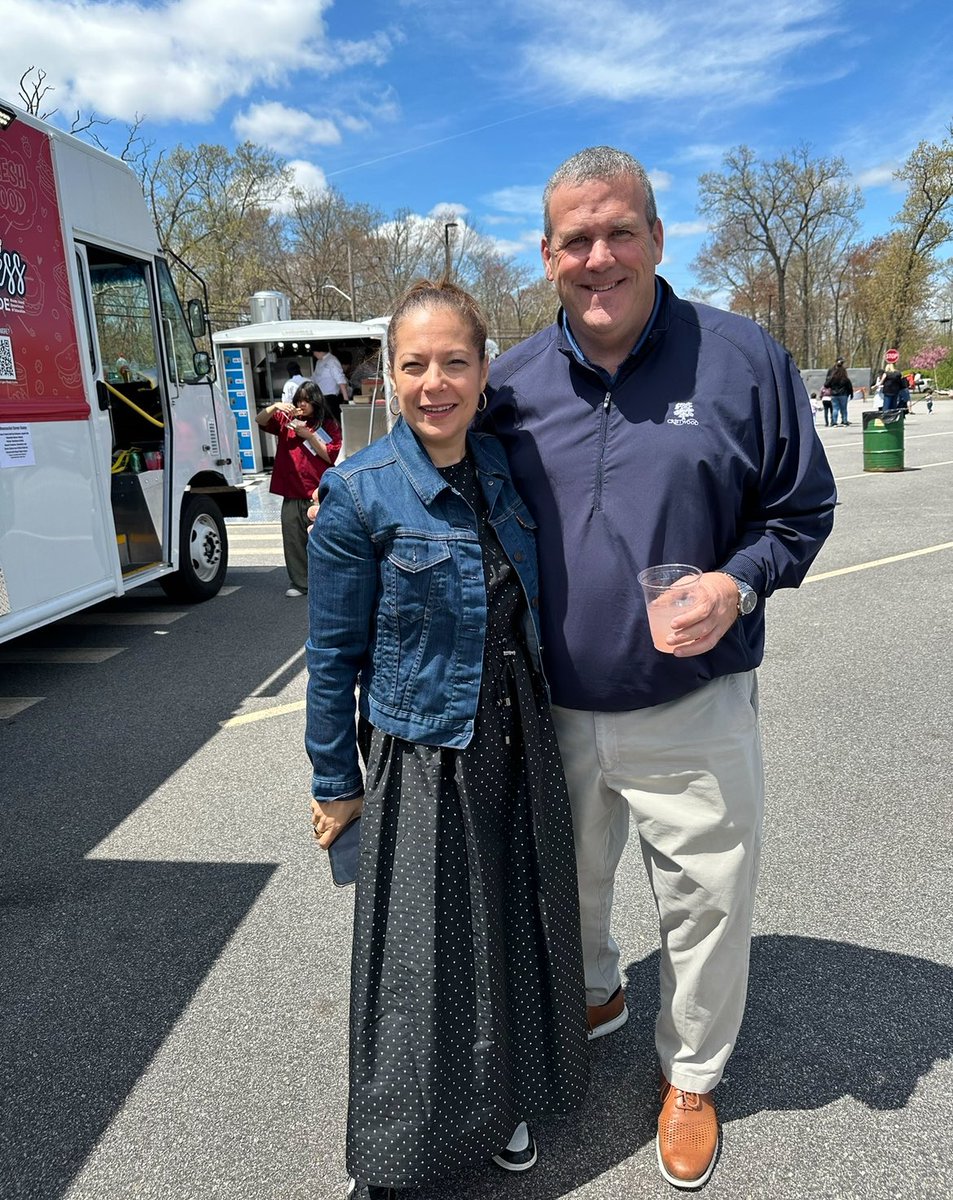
[89,990]
[824,1020]
[100,957]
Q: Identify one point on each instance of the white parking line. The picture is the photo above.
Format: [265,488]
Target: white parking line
[278,710]
[55,655]
[11,706]
[879,562]
[876,474]
[156,617]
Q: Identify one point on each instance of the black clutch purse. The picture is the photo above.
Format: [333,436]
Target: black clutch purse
[344,852]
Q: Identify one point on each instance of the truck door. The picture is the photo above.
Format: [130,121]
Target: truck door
[131,386]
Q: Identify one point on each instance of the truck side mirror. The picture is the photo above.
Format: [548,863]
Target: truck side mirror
[196,312]
[202,364]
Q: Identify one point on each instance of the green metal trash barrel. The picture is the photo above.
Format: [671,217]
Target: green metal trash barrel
[883,440]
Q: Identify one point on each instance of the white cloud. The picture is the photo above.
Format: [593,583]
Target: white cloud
[448,211]
[879,176]
[284,129]
[685,228]
[172,59]
[723,53]
[305,177]
[518,199]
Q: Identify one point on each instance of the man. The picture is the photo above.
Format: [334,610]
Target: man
[644,429]
[295,380]
[330,378]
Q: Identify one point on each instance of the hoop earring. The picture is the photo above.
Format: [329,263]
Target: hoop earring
[481,407]
[394,412]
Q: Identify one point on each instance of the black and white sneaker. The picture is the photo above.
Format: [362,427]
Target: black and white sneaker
[520,1152]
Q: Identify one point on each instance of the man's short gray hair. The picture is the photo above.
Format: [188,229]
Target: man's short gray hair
[598,162]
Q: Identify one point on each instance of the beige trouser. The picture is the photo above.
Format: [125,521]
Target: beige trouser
[690,774]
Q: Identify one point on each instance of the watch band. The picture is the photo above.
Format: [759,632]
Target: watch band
[747,596]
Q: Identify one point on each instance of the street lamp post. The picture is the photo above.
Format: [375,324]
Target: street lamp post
[446,247]
[334,288]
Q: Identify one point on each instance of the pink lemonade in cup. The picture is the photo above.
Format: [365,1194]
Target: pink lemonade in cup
[668,589]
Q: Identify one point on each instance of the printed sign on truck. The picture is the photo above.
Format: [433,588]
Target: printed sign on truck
[40,375]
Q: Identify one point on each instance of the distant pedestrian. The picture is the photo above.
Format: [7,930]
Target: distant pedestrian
[891,385]
[828,404]
[815,405]
[841,390]
[295,380]
[309,441]
[929,398]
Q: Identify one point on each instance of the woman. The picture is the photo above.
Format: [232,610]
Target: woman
[840,389]
[308,443]
[467,998]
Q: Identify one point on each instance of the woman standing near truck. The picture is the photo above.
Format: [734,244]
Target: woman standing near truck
[308,443]
[468,1010]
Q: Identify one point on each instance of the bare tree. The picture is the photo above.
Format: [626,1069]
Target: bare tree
[776,212]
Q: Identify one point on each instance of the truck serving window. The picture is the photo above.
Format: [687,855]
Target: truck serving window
[178,338]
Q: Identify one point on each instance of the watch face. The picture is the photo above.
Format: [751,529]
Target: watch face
[747,603]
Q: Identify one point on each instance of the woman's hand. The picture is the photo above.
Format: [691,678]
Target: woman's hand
[330,817]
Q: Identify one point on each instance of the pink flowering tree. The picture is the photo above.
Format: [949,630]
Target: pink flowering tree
[929,359]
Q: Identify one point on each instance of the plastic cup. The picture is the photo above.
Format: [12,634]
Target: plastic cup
[668,590]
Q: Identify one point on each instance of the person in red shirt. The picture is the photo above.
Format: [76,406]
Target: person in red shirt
[309,441]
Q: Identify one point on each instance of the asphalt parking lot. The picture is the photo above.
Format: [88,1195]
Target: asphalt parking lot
[174,982]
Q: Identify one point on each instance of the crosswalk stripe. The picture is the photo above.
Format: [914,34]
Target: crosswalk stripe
[58,654]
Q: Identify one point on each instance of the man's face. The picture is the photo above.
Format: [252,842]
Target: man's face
[602,257]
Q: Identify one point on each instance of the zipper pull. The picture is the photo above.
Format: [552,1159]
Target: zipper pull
[605,403]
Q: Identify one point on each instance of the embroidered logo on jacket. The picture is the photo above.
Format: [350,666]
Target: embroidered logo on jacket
[683,413]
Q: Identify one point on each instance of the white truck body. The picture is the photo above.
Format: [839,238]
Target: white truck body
[99,378]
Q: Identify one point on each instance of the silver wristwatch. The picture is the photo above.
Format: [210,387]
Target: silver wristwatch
[747,596]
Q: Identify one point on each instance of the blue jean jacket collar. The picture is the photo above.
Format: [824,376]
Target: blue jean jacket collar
[424,476]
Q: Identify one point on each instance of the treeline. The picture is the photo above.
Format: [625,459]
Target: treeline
[237,219]
[783,247]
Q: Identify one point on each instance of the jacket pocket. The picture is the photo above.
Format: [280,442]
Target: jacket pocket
[412,578]
[415,618]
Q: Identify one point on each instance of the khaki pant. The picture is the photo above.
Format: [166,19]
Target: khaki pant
[689,774]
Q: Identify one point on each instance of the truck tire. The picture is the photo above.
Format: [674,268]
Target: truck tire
[203,553]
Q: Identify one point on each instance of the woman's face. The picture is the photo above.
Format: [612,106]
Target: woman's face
[304,410]
[438,377]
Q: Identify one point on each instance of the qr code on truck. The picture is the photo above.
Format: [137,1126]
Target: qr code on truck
[7,369]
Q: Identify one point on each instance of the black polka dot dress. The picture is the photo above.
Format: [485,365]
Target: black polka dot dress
[467,995]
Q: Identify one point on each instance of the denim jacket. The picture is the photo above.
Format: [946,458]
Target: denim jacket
[397,600]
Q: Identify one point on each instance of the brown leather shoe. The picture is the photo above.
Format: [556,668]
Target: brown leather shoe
[687,1140]
[608,1017]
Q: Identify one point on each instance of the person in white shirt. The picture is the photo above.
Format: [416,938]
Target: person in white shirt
[330,378]
[295,380]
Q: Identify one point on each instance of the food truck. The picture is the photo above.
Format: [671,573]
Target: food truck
[253,364]
[118,455]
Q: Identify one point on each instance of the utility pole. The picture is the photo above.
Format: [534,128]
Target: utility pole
[446,247]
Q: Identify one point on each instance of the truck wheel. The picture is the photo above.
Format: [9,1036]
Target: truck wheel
[203,553]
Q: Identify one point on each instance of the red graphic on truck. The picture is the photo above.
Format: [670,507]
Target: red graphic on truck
[40,374]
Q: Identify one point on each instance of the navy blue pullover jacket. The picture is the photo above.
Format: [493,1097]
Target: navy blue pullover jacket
[702,450]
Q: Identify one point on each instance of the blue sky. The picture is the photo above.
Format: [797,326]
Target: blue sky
[468,105]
